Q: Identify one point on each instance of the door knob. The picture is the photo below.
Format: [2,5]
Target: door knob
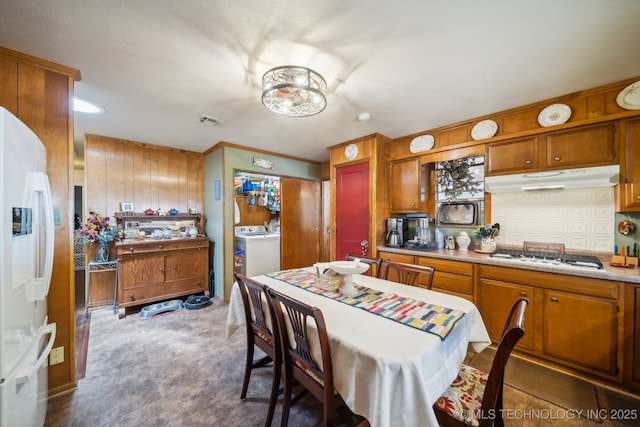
[364,247]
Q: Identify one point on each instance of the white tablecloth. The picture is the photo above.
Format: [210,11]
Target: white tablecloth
[388,372]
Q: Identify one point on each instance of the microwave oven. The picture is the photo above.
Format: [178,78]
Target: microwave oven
[458,214]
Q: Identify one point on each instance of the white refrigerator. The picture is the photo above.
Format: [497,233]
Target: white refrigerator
[26,261]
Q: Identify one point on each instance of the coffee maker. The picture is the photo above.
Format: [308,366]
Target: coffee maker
[394,235]
[423,229]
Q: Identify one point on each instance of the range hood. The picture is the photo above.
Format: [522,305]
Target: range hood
[598,176]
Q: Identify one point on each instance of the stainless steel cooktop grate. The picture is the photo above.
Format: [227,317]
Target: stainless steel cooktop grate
[588,261]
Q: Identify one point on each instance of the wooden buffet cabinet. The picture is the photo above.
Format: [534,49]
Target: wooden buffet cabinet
[154,270]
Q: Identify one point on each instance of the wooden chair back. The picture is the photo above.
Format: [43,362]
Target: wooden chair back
[493,388]
[306,353]
[373,262]
[513,331]
[262,331]
[409,274]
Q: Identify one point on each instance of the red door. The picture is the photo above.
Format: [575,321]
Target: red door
[352,209]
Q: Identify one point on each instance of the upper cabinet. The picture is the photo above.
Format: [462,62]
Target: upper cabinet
[593,145]
[512,156]
[408,189]
[630,188]
[584,146]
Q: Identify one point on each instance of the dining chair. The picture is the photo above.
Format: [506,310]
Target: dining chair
[262,332]
[307,360]
[371,261]
[475,397]
[409,274]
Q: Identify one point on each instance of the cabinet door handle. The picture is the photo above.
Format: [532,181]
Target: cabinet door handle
[557,159]
[528,162]
[554,299]
[175,267]
[131,249]
[159,246]
[637,197]
[523,293]
[161,270]
[132,297]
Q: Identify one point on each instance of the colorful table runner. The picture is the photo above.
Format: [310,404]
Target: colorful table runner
[435,319]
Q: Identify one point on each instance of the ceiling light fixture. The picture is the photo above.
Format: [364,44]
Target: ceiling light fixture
[81,105]
[294,91]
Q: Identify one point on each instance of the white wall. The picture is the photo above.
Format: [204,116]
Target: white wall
[581,219]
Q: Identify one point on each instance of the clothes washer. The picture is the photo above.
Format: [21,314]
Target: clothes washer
[257,249]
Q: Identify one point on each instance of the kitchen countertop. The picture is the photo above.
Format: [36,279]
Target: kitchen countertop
[630,275]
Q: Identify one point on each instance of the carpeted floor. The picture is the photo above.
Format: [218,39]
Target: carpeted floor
[179,369]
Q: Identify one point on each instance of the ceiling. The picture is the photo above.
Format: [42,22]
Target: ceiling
[157,66]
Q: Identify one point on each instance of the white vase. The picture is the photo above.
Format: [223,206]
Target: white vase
[463,240]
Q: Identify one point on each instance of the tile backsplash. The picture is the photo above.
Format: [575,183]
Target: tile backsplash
[582,219]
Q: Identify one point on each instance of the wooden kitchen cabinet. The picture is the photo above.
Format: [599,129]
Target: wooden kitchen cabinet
[155,270]
[495,300]
[630,187]
[571,320]
[408,186]
[451,277]
[580,329]
[584,146]
[632,336]
[512,156]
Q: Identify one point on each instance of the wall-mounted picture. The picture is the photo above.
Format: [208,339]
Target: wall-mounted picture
[126,207]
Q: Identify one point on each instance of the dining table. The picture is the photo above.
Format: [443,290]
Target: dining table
[385,368]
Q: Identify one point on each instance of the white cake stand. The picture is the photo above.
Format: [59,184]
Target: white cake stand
[348,269]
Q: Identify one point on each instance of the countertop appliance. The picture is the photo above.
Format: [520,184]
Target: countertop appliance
[257,251]
[550,258]
[425,237]
[394,237]
[26,261]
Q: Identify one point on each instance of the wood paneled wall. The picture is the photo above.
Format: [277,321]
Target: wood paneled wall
[148,176]
[38,93]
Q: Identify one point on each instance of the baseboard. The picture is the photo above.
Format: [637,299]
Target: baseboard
[62,390]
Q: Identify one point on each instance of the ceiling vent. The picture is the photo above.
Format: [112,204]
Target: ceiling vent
[211,121]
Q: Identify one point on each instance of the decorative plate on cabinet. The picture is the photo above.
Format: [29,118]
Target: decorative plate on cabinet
[555,114]
[351,151]
[629,97]
[484,129]
[421,143]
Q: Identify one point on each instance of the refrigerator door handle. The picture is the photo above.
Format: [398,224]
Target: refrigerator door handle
[38,288]
[27,371]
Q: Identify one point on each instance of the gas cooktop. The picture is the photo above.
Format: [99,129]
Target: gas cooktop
[552,258]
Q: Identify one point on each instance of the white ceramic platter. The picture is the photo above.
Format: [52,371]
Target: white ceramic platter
[554,114]
[421,143]
[484,129]
[629,97]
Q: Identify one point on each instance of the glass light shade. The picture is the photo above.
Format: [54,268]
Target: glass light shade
[294,91]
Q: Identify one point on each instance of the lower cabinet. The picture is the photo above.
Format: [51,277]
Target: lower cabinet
[495,300]
[150,271]
[451,277]
[570,320]
[632,336]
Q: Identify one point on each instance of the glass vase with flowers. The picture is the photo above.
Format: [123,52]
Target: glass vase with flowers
[98,230]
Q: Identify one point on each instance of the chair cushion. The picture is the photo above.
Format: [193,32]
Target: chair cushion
[463,399]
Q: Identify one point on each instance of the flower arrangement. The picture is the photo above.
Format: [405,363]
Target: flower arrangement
[454,178]
[97,229]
